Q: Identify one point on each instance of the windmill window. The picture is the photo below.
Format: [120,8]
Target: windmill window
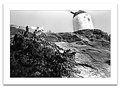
[88,19]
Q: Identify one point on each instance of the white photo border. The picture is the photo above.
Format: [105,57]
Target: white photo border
[113,80]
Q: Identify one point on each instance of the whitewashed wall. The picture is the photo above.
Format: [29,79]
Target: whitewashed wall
[82,21]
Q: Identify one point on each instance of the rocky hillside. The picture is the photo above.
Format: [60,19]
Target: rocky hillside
[84,53]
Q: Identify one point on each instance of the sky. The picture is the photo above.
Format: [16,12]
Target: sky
[58,21]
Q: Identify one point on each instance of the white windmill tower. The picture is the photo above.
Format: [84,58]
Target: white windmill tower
[81,20]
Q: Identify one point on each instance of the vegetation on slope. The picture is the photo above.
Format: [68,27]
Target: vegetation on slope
[94,34]
[39,58]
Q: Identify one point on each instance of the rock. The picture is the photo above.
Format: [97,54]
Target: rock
[92,62]
[37,73]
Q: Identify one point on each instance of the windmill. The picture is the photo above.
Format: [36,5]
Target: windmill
[81,20]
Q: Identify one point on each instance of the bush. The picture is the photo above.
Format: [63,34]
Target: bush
[37,59]
[68,37]
[96,34]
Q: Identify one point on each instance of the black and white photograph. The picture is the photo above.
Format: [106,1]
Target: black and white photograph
[60,43]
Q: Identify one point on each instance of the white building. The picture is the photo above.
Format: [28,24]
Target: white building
[82,20]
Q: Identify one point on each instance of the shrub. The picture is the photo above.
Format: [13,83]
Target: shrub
[37,59]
